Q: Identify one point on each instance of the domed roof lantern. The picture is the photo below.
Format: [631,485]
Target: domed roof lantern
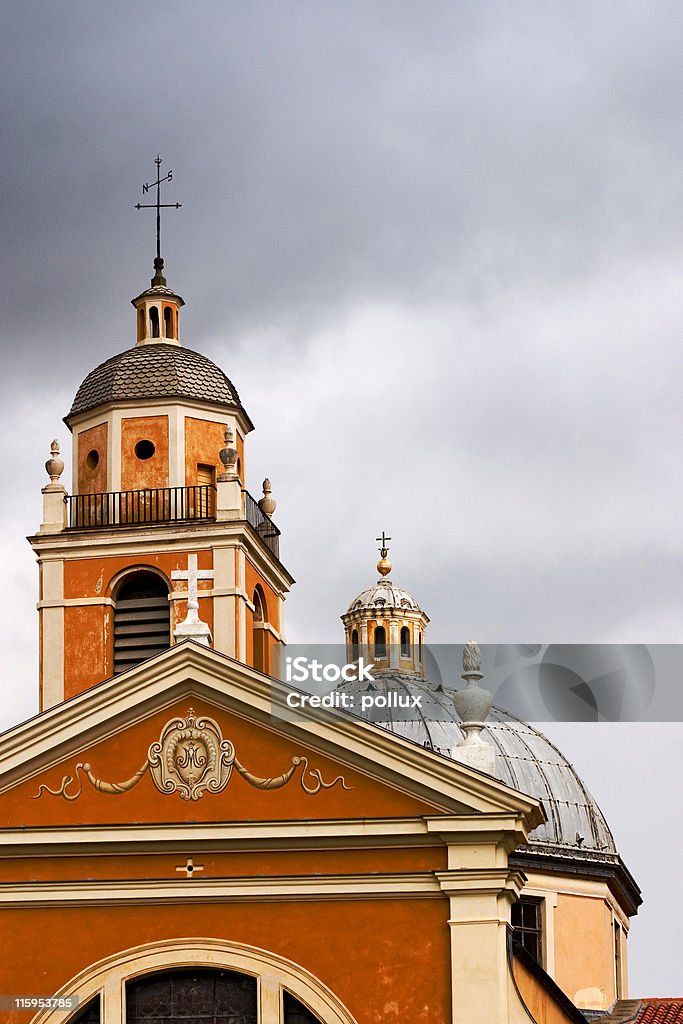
[384,594]
[385,624]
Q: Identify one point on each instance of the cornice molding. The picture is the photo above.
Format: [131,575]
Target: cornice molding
[209,890]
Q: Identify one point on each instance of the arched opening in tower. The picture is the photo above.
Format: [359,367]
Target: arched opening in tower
[142,619]
[153,322]
[259,633]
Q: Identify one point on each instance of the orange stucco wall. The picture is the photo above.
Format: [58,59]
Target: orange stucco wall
[387,960]
[540,1003]
[584,952]
[203,442]
[92,481]
[260,748]
[87,643]
[137,474]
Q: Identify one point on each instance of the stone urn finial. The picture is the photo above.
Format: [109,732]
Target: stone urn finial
[54,465]
[471,661]
[228,455]
[267,504]
[473,702]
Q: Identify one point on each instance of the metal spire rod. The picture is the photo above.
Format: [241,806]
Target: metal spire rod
[158,205]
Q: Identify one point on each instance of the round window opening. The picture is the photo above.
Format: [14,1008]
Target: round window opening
[144,449]
[92,459]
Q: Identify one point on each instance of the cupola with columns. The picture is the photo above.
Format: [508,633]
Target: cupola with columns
[385,624]
[158,539]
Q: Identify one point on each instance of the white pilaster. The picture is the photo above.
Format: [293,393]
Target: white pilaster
[115,461]
[480,901]
[176,447]
[393,644]
[241,654]
[364,641]
[52,635]
[224,603]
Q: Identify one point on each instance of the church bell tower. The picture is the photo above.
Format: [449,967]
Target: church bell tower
[158,540]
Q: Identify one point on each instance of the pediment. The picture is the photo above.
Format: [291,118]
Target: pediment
[191,736]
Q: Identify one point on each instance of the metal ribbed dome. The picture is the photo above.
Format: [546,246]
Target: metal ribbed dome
[384,594]
[526,760]
[155,371]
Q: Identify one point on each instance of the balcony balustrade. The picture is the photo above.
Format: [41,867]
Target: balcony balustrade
[154,505]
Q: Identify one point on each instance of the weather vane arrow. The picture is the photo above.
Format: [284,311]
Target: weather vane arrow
[158,262]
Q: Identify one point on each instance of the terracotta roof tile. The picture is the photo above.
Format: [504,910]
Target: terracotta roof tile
[661,1011]
[641,1011]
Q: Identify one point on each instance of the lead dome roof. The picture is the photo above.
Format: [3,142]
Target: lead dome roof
[384,594]
[526,760]
[157,370]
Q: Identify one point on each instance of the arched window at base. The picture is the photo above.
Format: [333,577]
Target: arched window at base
[201,994]
[170,979]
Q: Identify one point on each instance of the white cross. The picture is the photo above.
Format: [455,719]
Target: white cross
[190,868]
[192,574]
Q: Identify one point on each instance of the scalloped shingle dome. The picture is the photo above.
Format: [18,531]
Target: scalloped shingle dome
[155,371]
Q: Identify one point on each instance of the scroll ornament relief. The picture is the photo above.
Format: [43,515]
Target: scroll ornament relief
[191,758]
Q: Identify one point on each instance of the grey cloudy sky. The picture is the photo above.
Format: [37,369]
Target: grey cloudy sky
[437,247]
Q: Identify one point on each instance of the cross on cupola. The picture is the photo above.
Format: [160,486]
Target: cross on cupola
[158,278]
[192,628]
[384,565]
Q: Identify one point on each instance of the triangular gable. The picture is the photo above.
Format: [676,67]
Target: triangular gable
[202,704]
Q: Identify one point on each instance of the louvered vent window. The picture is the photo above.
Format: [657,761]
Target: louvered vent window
[142,620]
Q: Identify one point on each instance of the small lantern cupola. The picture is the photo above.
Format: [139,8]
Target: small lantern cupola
[384,624]
[158,311]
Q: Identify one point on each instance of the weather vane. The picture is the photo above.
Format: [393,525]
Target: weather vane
[158,262]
